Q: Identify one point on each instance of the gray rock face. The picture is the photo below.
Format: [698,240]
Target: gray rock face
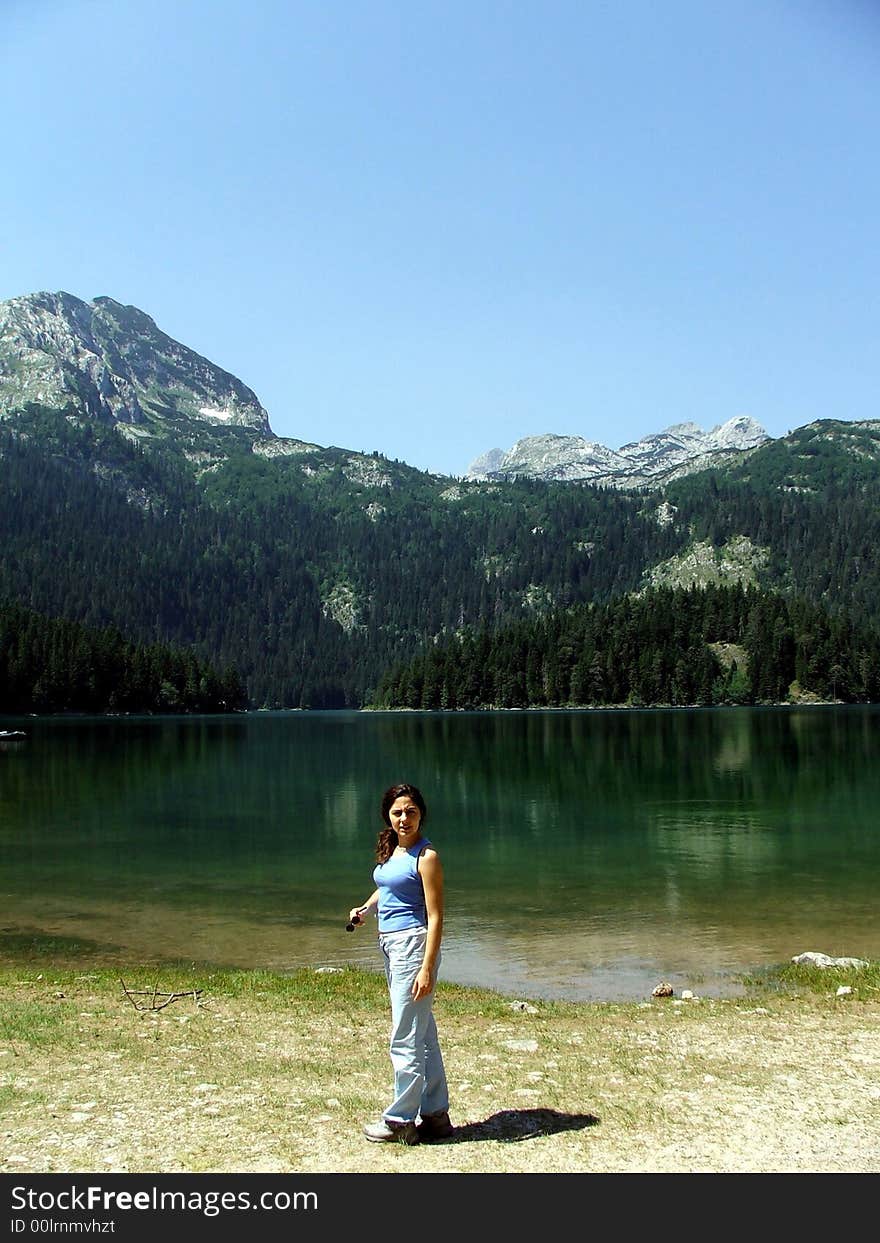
[111,362]
[483,466]
[651,461]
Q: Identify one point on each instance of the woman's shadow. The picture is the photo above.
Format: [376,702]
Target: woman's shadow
[512,1125]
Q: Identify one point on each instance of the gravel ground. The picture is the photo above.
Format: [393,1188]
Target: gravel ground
[256,1083]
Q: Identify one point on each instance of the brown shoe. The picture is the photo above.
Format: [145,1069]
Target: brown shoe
[435,1126]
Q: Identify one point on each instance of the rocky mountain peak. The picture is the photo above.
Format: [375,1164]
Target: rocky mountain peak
[740,432]
[111,362]
[651,461]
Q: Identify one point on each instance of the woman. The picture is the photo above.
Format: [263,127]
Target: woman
[408,900]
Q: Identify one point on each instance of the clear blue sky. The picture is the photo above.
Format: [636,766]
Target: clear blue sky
[431,228]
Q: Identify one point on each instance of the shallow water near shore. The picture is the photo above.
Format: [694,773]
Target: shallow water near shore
[587,854]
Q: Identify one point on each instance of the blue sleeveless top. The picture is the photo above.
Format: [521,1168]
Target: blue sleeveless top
[401,893]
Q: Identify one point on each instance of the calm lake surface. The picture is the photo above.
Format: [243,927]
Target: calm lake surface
[588,855]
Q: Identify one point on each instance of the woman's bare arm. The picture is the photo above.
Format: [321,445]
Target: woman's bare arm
[431,872]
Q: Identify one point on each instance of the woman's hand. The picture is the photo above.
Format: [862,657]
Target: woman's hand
[357,914]
[422,984]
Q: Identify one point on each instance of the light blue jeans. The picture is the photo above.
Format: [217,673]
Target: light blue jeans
[419,1077]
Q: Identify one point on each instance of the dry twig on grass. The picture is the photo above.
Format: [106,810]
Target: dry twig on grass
[158,999]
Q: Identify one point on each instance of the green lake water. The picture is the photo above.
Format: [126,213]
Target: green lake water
[588,855]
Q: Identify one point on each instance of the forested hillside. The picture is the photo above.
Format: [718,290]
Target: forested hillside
[812,500]
[313,572]
[310,583]
[52,665]
[713,645]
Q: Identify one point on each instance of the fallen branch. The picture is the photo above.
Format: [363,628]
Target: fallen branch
[155,994]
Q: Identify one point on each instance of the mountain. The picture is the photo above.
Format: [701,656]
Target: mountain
[485,465]
[650,462]
[113,363]
[109,363]
[141,488]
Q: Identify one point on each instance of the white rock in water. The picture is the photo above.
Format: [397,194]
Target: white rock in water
[823,960]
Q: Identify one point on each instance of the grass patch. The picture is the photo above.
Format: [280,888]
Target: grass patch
[35,1023]
[800,978]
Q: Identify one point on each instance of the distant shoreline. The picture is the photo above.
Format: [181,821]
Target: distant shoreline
[368,709]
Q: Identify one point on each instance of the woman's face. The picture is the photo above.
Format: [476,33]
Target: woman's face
[405,819]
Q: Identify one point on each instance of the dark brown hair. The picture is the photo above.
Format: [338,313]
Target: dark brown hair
[387,839]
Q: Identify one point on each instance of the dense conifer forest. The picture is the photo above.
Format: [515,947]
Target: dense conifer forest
[52,665]
[315,573]
[703,646]
[310,584]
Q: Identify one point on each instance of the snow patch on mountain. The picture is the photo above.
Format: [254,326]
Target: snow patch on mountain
[208,412]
